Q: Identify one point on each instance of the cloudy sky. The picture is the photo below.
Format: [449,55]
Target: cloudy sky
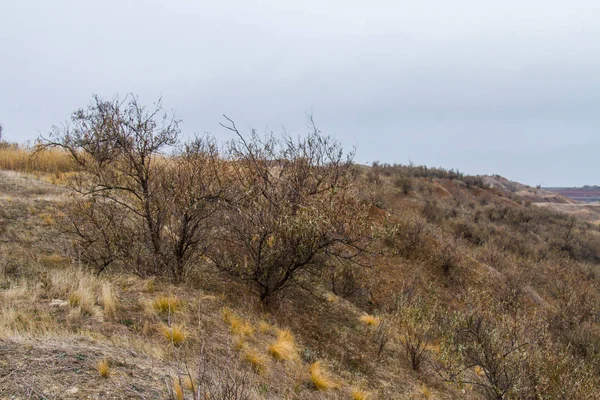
[508,87]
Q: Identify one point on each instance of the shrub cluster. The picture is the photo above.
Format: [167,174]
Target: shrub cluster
[268,210]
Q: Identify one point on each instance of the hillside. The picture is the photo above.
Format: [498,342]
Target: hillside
[58,320]
[586,194]
[278,269]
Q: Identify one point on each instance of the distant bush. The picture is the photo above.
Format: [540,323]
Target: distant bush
[422,171]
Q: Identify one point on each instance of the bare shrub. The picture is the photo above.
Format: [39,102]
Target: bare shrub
[143,208]
[213,381]
[417,320]
[408,235]
[404,183]
[494,352]
[295,210]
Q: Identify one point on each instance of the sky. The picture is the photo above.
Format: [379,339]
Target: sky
[486,87]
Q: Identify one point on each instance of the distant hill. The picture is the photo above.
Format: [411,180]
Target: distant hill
[586,194]
[527,193]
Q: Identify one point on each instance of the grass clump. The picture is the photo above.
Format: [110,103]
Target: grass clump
[369,320]
[103,367]
[166,304]
[189,384]
[82,298]
[358,394]
[177,389]
[284,348]
[256,360]
[320,378]
[425,392]
[241,327]
[109,301]
[264,326]
[175,334]
[238,325]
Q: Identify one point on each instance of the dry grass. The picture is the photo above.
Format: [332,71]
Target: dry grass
[175,334]
[284,348]
[47,219]
[75,316]
[16,158]
[369,320]
[103,367]
[189,384]
[149,286]
[424,392]
[18,293]
[257,361]
[358,394]
[320,378]
[241,327]
[331,298]
[53,260]
[108,301]
[83,299]
[238,325]
[264,327]
[32,310]
[478,370]
[177,389]
[166,304]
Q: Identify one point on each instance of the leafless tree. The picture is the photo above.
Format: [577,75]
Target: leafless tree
[162,203]
[294,211]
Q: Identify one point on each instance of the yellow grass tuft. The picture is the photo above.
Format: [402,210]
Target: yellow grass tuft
[189,384]
[434,348]
[103,367]
[82,298]
[264,327]
[257,361]
[227,314]
[284,348]
[358,394]
[241,327]
[479,371]
[166,304]
[320,378]
[109,301]
[177,389]
[425,392]
[175,334]
[238,325]
[369,320]
[47,219]
[331,298]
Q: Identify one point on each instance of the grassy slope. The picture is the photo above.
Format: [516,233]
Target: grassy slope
[52,345]
[57,323]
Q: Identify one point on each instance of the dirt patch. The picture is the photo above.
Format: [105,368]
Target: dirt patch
[67,369]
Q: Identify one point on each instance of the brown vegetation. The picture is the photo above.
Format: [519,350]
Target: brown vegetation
[240,274]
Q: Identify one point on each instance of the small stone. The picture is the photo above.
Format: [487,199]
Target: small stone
[59,303]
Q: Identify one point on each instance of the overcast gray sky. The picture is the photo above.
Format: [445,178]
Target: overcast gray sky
[508,87]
